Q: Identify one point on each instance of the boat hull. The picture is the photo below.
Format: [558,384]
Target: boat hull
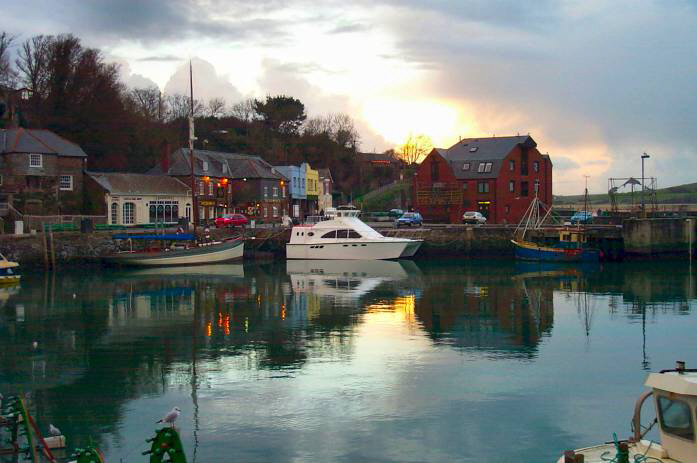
[9,273]
[530,251]
[358,250]
[200,255]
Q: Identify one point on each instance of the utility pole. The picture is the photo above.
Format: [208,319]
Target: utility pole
[643,204]
[585,195]
[194,204]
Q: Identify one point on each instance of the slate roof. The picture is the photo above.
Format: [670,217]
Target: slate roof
[477,150]
[37,141]
[139,184]
[230,165]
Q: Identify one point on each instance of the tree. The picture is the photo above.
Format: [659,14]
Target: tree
[178,107]
[282,114]
[216,107]
[414,148]
[148,103]
[338,127]
[244,110]
[7,73]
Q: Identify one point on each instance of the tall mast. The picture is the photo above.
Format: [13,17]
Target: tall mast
[194,204]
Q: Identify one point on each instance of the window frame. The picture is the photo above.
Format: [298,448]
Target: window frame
[483,186]
[511,186]
[129,219]
[669,429]
[61,187]
[39,157]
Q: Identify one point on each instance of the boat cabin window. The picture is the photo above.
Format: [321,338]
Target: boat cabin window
[331,234]
[676,418]
[310,233]
[354,234]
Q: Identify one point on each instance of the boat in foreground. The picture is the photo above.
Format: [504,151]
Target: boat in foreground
[675,399]
[177,249]
[344,236]
[9,271]
[571,247]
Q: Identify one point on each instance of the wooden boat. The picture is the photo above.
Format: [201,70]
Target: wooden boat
[9,271]
[572,245]
[675,399]
[176,249]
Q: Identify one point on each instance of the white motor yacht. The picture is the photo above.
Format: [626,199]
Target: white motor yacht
[344,236]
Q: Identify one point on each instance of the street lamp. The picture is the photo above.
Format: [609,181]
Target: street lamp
[643,205]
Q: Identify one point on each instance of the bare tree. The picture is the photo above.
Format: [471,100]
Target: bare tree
[216,107]
[339,127]
[32,62]
[414,148]
[244,110]
[8,75]
[148,103]
[178,107]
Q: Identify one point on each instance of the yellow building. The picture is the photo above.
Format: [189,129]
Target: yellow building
[311,188]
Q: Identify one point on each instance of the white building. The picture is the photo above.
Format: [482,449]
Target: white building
[137,199]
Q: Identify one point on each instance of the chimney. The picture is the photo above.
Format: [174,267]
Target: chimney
[164,159]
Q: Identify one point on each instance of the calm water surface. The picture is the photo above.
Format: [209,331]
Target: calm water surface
[345,361]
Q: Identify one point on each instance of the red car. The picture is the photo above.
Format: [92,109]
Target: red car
[231,220]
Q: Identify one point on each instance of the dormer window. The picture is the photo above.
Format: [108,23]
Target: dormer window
[488,166]
[466,166]
[35,160]
[484,167]
[473,149]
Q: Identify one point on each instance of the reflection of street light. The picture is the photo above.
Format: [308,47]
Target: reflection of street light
[643,205]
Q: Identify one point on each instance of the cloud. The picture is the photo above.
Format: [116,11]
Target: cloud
[160,58]
[130,79]
[207,82]
[350,28]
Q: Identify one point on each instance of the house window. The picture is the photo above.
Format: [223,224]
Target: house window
[466,166]
[507,209]
[283,191]
[511,165]
[225,168]
[200,188]
[210,188]
[229,188]
[35,160]
[483,187]
[464,186]
[275,211]
[523,188]
[536,166]
[434,170]
[129,213]
[266,211]
[266,192]
[537,186]
[188,212]
[275,192]
[511,186]
[487,167]
[205,166]
[66,182]
[480,168]
[114,213]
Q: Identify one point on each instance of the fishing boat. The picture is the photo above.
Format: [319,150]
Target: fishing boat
[9,271]
[174,249]
[343,236]
[675,401]
[572,244]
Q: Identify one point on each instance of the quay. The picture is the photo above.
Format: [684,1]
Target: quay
[654,238]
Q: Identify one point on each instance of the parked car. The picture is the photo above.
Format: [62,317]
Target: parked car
[409,219]
[231,220]
[396,213]
[581,217]
[473,217]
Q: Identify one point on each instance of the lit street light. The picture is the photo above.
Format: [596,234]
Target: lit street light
[643,205]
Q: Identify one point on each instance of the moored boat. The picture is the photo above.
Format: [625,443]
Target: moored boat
[675,399]
[177,249]
[9,271]
[343,236]
[571,247]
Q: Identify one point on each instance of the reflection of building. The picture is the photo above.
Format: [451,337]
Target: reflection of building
[488,314]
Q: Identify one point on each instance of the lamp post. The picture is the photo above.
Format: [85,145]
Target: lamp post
[643,204]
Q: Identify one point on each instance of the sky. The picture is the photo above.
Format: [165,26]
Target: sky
[595,83]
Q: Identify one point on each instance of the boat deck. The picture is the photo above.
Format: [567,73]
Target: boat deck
[606,452]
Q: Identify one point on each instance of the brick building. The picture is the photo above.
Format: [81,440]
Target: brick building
[496,176]
[40,173]
[229,182]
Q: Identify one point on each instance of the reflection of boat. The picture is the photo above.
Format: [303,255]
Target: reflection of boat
[344,278]
[345,236]
[181,253]
[675,399]
[572,245]
[217,270]
[9,271]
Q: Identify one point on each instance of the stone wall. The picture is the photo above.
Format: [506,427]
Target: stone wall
[659,237]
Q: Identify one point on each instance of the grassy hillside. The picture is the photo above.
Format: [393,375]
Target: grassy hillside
[681,194]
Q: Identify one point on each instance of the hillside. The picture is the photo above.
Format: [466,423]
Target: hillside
[680,194]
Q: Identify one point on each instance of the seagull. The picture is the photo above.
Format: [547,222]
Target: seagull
[35,345]
[54,431]
[171,416]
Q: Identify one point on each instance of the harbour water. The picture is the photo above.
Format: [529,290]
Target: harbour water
[347,361]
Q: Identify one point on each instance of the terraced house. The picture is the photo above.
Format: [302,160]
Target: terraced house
[41,173]
[497,176]
[229,182]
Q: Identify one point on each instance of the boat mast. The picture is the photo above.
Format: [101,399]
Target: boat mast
[194,205]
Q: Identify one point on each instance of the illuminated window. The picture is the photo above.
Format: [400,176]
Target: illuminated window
[200,188]
[210,188]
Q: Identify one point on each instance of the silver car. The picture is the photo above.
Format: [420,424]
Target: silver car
[473,217]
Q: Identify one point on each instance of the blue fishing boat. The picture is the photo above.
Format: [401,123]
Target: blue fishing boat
[9,271]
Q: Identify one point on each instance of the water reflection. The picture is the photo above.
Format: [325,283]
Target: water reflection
[114,347]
